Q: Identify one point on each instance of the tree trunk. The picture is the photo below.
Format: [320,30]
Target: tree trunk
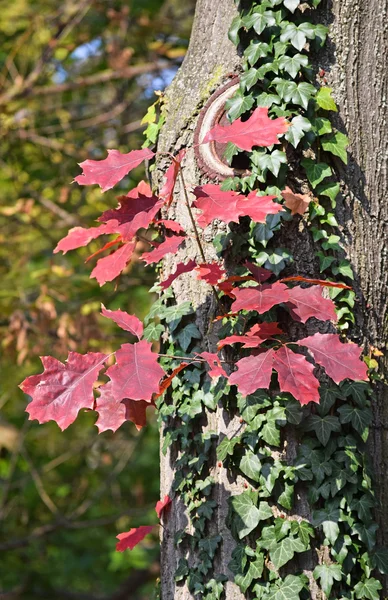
[358,74]
[359,77]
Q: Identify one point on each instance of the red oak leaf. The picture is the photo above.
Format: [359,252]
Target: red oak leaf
[254,337]
[168,381]
[211,273]
[125,321]
[309,302]
[81,236]
[106,173]
[140,221]
[169,246]
[112,413]
[212,359]
[107,246]
[295,375]
[341,361]
[171,225]
[110,267]
[259,273]
[216,204]
[138,200]
[227,287]
[162,505]
[136,374]
[131,538]
[59,393]
[181,268]
[260,298]
[258,207]
[297,203]
[258,130]
[167,191]
[254,372]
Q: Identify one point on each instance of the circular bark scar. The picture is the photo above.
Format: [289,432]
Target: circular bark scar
[210,157]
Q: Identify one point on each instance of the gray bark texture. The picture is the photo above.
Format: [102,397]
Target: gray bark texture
[356,66]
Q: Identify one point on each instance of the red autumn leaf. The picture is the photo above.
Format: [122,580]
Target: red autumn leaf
[212,273]
[259,273]
[138,200]
[295,375]
[131,538]
[213,360]
[258,334]
[309,302]
[254,372]
[258,130]
[161,505]
[181,268]
[59,393]
[227,287]
[170,225]
[260,298]
[216,204]
[322,282]
[258,207]
[169,246]
[136,374]
[168,381]
[167,191]
[125,321]
[140,221]
[110,267]
[112,413]
[340,360]
[106,173]
[81,236]
[297,203]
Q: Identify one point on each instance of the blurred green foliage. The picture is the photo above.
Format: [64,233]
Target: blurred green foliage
[76,77]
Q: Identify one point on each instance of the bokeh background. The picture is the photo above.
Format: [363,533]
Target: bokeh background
[76,78]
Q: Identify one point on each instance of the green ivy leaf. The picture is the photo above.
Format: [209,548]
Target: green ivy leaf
[275,260]
[321,126]
[270,433]
[299,126]
[210,545]
[360,418]
[293,64]
[226,447]
[327,574]
[316,172]
[234,30]
[290,91]
[250,465]
[248,514]
[344,268]
[250,405]
[256,50]
[284,551]
[323,427]
[363,507]
[336,144]
[366,533]
[238,105]
[259,20]
[305,532]
[295,35]
[325,100]
[329,189]
[266,100]
[174,314]
[292,5]
[380,560]
[286,498]
[288,589]
[182,570]
[187,334]
[153,332]
[369,588]
[249,78]
[272,161]
[329,519]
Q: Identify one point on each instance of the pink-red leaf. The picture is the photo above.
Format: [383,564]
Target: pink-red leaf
[62,390]
[168,381]
[253,373]
[162,505]
[81,236]
[260,298]
[127,322]
[106,173]
[212,273]
[340,360]
[296,376]
[309,302]
[167,191]
[213,360]
[169,246]
[170,225]
[321,282]
[112,413]
[110,267]
[258,207]
[258,130]
[215,204]
[259,273]
[130,539]
[254,337]
[297,203]
[180,269]
[138,200]
[136,374]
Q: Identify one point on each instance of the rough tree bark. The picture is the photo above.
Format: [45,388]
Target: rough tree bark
[355,61]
